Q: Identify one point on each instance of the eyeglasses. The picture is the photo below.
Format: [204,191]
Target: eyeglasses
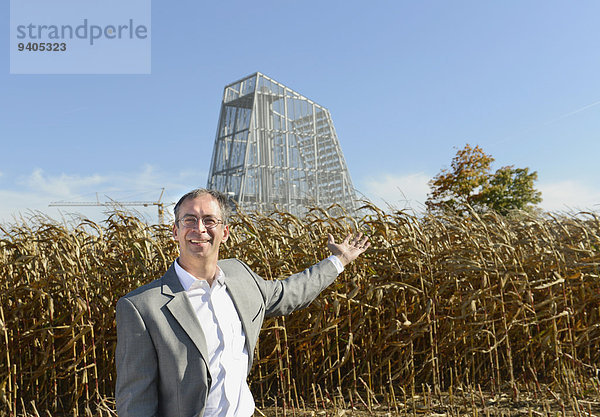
[191,222]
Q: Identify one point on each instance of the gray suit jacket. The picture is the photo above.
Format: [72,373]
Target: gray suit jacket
[161,355]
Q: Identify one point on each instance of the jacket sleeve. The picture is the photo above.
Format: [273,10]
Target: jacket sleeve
[282,297]
[137,366]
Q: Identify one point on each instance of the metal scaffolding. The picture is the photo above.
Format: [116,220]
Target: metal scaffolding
[276,148]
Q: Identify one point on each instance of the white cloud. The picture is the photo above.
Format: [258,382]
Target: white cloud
[407,191]
[62,185]
[34,192]
[569,195]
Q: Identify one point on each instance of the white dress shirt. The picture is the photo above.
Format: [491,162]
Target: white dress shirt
[229,393]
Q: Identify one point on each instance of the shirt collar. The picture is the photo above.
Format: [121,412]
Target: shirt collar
[187,280]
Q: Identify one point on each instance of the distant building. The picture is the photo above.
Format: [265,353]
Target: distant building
[276,148]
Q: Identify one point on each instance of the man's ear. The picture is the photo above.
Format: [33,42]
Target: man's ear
[175,231]
[225,233]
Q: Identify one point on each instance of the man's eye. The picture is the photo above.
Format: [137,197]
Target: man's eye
[209,222]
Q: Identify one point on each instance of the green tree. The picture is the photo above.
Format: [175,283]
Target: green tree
[470,183]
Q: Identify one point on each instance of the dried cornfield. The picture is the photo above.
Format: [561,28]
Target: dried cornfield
[435,307]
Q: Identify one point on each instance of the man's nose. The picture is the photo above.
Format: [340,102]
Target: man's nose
[201,227]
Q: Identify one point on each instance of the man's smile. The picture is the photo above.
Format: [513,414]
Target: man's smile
[199,241]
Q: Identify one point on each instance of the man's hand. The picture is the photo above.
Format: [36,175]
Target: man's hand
[349,249]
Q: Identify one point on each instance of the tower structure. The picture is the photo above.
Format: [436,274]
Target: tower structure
[276,148]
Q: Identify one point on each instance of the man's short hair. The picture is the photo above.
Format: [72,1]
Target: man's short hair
[221,198]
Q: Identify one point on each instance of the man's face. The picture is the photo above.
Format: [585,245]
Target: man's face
[199,243]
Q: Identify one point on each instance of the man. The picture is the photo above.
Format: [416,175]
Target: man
[185,342]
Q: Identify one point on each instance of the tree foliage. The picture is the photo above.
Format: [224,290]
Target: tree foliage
[470,183]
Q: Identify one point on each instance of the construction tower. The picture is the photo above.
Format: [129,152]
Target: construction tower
[275,148]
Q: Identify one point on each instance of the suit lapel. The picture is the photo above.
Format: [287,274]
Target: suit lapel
[247,301]
[181,308]
[242,297]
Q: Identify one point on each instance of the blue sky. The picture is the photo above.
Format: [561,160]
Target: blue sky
[407,84]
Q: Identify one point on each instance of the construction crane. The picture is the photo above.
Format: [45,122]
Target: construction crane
[113,203]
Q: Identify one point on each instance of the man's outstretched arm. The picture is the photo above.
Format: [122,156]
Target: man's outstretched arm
[299,290]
